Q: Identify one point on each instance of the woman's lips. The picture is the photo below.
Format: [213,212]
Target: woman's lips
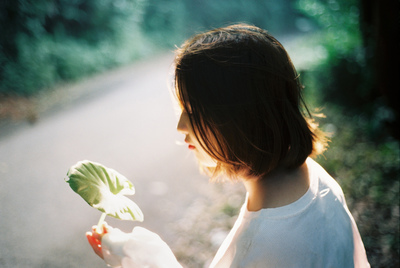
[191,147]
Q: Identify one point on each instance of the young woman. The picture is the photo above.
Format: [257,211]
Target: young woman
[244,118]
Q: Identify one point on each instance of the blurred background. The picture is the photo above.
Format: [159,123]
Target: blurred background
[107,64]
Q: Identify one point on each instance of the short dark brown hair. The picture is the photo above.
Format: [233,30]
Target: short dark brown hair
[240,88]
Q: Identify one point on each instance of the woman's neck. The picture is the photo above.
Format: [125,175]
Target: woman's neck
[277,189]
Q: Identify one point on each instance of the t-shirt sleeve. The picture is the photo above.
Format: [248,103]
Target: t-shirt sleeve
[112,246]
[140,248]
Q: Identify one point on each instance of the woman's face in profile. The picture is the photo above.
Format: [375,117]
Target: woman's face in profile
[185,127]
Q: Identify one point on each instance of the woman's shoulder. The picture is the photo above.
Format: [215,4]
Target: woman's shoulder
[321,182]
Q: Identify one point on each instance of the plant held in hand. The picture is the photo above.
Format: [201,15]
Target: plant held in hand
[105,189]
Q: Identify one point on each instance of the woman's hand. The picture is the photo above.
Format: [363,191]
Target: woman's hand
[94,238]
[139,248]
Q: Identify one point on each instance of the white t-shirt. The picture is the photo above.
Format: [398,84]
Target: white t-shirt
[317,230]
[139,249]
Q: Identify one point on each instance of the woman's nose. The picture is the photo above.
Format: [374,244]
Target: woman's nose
[183,122]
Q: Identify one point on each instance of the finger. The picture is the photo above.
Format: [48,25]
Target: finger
[105,228]
[93,240]
[96,236]
[96,246]
[89,235]
[90,238]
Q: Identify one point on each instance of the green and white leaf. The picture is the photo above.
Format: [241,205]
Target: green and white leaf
[105,189]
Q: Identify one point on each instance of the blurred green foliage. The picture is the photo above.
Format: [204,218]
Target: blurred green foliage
[339,39]
[172,21]
[368,172]
[346,75]
[45,42]
[364,156]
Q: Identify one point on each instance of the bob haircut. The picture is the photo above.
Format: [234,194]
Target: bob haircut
[244,101]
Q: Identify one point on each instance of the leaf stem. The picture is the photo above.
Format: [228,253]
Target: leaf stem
[100,223]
